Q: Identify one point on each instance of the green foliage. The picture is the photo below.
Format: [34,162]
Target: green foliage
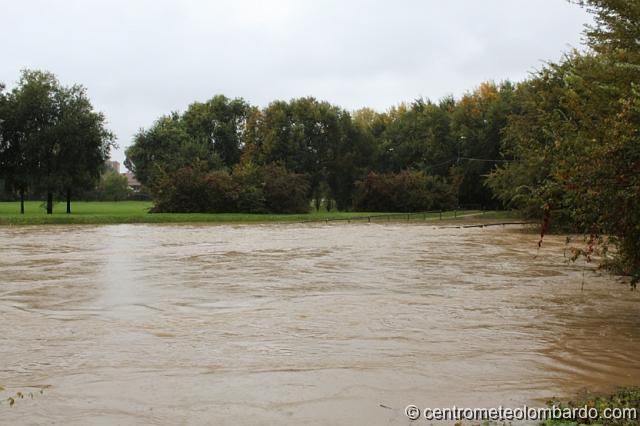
[616,26]
[476,124]
[251,196]
[268,189]
[51,138]
[334,150]
[209,133]
[218,125]
[113,187]
[626,398]
[285,192]
[575,141]
[407,191]
[167,147]
[195,190]
[349,160]
[305,136]
[84,142]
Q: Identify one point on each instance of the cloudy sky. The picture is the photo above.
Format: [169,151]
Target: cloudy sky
[140,59]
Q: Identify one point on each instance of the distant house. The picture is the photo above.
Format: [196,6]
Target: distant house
[113,165]
[132,181]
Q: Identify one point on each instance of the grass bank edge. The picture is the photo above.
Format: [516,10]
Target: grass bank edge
[137,212]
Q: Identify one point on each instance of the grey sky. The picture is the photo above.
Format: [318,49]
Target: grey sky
[140,59]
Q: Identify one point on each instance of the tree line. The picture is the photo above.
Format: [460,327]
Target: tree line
[52,141]
[437,154]
[575,139]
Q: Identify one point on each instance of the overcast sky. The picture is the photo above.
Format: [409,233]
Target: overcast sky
[140,59]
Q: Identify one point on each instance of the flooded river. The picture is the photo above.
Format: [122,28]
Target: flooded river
[298,324]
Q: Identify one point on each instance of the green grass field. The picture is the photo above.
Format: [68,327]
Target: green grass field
[93,212]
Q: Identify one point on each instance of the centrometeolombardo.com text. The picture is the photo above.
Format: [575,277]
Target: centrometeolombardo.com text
[500,413]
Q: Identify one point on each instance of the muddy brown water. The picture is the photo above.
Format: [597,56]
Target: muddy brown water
[298,324]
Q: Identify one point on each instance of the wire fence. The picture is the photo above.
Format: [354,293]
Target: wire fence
[422,216]
[400,216]
[431,215]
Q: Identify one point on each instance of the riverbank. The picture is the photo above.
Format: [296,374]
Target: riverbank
[92,212]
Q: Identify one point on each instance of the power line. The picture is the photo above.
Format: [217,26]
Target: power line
[485,160]
[439,164]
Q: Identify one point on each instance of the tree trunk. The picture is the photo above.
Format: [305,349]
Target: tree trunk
[22,201]
[68,201]
[49,203]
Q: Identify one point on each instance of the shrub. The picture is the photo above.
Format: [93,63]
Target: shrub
[221,192]
[407,191]
[251,197]
[113,187]
[285,192]
[250,189]
[193,190]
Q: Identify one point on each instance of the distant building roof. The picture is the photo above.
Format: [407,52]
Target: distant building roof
[132,181]
[114,165]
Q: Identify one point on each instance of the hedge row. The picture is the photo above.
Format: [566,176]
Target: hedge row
[407,191]
[250,189]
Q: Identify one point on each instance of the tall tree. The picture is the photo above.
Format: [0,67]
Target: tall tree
[52,138]
[350,157]
[579,130]
[30,110]
[86,143]
[10,154]
[219,124]
[166,147]
[476,127]
[301,135]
